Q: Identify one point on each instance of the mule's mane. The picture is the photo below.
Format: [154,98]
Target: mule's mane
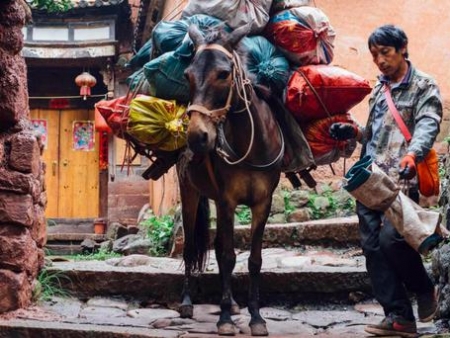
[218,35]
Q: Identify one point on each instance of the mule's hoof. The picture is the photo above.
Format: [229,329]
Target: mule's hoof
[235,309]
[186,311]
[226,329]
[259,329]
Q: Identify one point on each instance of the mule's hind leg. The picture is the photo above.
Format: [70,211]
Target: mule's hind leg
[226,259]
[195,212]
[260,214]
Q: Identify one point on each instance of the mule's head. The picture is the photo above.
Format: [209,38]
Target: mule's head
[210,76]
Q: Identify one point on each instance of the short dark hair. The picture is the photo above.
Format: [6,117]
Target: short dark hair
[389,35]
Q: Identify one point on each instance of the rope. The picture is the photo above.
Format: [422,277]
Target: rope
[319,99]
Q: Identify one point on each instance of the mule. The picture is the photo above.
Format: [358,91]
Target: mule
[234,156]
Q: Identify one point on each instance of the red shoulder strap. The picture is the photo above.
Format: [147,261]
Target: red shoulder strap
[401,124]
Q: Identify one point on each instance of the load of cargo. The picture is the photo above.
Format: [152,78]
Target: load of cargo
[289,50]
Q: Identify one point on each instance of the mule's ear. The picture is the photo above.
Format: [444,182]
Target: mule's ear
[196,35]
[239,33]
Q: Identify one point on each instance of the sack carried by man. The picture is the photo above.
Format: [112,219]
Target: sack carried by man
[428,169]
[428,174]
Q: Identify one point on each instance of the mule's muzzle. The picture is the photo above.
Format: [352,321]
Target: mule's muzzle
[198,142]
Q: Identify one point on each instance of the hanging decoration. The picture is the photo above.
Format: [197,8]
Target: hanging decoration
[85,81]
[83,136]
[103,151]
[40,127]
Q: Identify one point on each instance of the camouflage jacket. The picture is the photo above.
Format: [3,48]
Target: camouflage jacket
[418,101]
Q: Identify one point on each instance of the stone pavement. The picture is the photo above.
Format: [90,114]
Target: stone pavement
[116,318]
[307,290]
[137,296]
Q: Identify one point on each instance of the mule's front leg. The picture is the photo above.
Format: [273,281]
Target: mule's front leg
[260,214]
[226,259]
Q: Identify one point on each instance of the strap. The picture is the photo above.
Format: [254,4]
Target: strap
[319,99]
[401,124]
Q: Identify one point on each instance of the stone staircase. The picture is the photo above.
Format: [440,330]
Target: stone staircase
[64,236]
[311,261]
[314,284]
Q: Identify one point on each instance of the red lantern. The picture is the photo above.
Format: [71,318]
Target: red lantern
[85,81]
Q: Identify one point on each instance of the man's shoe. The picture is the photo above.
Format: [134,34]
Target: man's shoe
[427,304]
[393,325]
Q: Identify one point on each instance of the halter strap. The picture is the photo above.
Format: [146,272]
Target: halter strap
[217,115]
[214,46]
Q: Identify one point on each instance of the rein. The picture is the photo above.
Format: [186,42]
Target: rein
[219,115]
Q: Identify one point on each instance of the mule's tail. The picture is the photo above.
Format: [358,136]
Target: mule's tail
[198,256]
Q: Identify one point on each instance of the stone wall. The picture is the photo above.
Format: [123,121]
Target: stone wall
[441,256]
[22,187]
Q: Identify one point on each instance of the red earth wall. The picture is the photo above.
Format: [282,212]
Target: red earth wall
[425,23]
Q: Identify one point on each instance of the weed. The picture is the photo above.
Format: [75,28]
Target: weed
[48,285]
[243,214]
[159,232]
[101,255]
[288,207]
[327,204]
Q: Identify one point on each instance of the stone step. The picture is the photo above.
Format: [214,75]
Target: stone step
[288,276]
[53,329]
[62,244]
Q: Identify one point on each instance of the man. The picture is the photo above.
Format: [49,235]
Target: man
[393,266]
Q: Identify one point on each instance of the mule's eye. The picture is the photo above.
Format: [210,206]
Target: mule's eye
[223,75]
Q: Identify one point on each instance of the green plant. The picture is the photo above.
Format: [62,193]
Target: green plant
[48,285]
[447,140]
[159,232]
[328,204]
[243,214]
[101,255]
[51,5]
[288,207]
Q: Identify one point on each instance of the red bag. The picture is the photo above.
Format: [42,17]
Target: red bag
[318,91]
[115,112]
[324,148]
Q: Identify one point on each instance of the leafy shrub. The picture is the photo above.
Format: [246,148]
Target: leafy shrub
[51,5]
[159,231]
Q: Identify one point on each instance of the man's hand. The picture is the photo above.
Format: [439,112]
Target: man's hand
[407,168]
[343,131]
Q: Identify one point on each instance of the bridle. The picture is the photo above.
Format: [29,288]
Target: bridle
[218,116]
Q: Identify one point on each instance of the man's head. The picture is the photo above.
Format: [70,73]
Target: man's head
[388,45]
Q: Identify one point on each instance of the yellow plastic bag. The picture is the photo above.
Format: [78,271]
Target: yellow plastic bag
[158,123]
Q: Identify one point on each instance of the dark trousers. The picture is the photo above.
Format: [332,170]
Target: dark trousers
[394,267]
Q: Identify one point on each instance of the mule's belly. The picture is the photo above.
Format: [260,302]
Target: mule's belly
[234,184]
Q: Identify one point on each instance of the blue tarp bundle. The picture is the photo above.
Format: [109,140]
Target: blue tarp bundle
[166,79]
[267,63]
[142,56]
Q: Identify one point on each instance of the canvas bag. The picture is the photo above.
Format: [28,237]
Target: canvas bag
[428,169]
[373,188]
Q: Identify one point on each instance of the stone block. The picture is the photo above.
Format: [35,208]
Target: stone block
[12,14]
[39,228]
[25,154]
[14,181]
[15,291]
[16,209]
[18,251]
[13,91]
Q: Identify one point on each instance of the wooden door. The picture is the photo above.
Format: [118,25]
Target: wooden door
[72,176]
